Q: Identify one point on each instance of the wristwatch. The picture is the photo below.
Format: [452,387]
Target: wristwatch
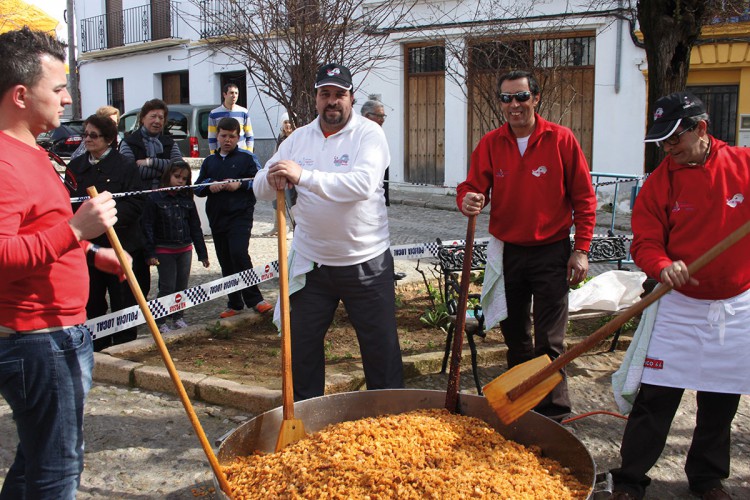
[91,254]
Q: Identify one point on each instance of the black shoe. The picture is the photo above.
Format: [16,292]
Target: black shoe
[717,493]
[398,276]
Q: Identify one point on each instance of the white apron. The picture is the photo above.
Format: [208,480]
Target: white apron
[702,345]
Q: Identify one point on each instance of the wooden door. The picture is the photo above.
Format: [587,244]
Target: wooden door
[170,88]
[564,69]
[425,116]
[570,102]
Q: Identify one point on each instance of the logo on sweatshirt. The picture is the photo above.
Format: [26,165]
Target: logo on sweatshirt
[342,161]
[680,206]
[654,364]
[735,200]
[539,171]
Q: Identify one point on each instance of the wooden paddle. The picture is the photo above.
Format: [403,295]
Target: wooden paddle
[292,429]
[454,375]
[520,389]
[136,289]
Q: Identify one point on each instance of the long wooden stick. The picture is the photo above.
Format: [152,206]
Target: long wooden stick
[292,429]
[454,376]
[624,316]
[136,289]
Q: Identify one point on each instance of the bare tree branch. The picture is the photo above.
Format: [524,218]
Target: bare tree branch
[282,43]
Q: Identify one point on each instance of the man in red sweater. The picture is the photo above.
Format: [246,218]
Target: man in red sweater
[46,354]
[534,176]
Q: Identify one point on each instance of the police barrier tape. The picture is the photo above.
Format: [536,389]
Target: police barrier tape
[164,306]
[168,304]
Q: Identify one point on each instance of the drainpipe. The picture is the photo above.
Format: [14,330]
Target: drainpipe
[72,65]
[618,53]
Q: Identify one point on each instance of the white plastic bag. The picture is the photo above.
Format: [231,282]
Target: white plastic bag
[609,291]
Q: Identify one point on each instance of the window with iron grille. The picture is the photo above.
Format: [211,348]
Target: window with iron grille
[116,93]
[545,53]
[561,52]
[487,56]
[426,59]
[721,106]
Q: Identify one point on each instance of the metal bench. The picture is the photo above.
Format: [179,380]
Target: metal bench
[606,248]
[451,261]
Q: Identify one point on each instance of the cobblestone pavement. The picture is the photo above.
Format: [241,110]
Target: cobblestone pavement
[140,445]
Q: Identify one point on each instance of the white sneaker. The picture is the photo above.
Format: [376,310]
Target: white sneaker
[180,323]
[164,328]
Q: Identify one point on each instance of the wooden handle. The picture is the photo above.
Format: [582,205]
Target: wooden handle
[625,316]
[136,289]
[287,387]
[454,376]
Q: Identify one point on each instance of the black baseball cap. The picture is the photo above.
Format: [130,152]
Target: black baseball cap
[334,74]
[670,110]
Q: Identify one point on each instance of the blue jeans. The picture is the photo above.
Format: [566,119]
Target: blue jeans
[44,378]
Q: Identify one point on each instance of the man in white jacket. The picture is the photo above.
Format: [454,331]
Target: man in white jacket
[340,250]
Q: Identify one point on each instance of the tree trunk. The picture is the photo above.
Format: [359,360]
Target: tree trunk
[670,28]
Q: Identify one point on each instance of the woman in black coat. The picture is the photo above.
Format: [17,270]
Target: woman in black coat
[105,168]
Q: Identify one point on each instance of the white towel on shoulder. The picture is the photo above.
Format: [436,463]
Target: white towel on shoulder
[494,306]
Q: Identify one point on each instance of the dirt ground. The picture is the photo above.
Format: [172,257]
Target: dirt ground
[250,353]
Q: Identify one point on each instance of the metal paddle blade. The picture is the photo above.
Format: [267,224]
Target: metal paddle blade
[496,391]
[292,430]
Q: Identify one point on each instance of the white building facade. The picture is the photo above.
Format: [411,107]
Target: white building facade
[434,114]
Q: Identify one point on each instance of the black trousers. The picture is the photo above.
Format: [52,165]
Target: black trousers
[120,297]
[646,434]
[367,293]
[538,272]
[231,250]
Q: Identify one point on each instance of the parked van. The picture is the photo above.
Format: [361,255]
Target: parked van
[186,123]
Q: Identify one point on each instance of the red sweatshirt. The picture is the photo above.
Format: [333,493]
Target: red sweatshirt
[684,210]
[536,197]
[44,279]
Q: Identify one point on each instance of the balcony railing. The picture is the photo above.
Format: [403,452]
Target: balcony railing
[220,18]
[211,12]
[145,23]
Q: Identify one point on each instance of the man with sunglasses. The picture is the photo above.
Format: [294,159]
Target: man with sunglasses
[46,356]
[699,340]
[535,177]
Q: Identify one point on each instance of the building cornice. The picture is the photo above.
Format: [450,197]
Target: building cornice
[135,48]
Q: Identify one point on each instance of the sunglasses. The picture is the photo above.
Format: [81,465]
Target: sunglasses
[93,135]
[518,96]
[68,178]
[674,139]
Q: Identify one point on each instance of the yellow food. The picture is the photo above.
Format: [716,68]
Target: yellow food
[421,454]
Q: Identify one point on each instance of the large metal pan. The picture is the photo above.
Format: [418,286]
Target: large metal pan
[260,433]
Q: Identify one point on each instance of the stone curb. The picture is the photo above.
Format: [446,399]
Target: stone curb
[253,399]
